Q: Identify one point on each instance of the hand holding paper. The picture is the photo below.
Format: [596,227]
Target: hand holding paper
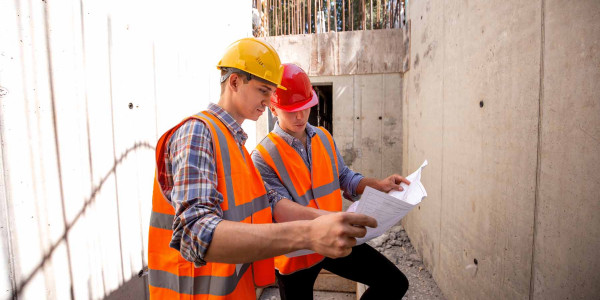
[389,208]
[386,208]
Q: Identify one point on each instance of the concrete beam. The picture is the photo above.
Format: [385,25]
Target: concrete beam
[345,53]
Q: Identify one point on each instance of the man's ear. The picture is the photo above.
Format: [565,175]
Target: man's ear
[234,81]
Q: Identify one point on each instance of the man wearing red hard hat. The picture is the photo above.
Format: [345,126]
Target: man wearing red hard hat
[211,234]
[302,163]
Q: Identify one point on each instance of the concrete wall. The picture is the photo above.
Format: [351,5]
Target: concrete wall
[86,87]
[502,99]
[567,223]
[345,53]
[365,70]
[367,124]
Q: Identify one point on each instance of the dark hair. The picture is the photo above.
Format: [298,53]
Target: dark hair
[226,72]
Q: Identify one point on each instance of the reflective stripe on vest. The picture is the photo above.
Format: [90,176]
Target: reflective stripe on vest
[312,193]
[215,285]
[170,275]
[235,212]
[318,185]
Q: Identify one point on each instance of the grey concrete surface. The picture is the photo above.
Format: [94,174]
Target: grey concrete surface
[567,239]
[367,126]
[344,53]
[502,100]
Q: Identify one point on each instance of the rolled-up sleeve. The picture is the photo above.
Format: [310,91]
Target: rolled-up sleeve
[194,195]
[348,179]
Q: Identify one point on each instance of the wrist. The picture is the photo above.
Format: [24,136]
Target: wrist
[304,234]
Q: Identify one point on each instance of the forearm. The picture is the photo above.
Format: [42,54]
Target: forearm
[235,242]
[332,235]
[287,210]
[367,181]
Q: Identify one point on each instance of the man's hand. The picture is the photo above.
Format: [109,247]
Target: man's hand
[392,182]
[334,235]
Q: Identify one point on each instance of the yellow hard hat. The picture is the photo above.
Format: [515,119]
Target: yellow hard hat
[254,57]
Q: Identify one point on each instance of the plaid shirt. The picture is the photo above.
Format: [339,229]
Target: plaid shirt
[348,179]
[191,184]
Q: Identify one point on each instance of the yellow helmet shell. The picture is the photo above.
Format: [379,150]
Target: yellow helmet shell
[255,57]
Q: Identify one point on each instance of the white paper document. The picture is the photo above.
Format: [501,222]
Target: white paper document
[387,209]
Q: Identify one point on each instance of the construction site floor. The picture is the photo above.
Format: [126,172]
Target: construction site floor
[396,246]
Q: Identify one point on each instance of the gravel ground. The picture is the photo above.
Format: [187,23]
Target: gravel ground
[396,246]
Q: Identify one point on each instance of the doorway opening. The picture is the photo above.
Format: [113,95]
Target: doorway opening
[322,114]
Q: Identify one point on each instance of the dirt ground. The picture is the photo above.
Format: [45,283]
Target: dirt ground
[396,246]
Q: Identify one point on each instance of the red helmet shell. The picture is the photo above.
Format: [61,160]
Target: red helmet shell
[299,94]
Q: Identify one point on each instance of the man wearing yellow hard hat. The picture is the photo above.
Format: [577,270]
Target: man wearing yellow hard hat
[211,231]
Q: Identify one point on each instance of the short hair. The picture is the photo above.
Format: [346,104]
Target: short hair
[225,72]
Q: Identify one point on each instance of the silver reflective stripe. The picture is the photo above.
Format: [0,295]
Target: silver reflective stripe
[199,285]
[241,212]
[226,161]
[285,177]
[326,189]
[234,212]
[162,221]
[311,194]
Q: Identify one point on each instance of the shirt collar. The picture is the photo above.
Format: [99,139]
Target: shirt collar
[310,131]
[233,126]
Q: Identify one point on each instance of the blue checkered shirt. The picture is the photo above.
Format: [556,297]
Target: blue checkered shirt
[191,184]
[348,179]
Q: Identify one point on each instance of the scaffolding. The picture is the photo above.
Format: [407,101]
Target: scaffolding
[287,17]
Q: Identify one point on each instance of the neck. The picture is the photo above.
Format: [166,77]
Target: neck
[226,103]
[299,135]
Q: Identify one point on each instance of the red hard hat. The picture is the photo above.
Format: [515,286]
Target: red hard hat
[299,94]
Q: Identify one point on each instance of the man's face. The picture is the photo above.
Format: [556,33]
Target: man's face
[294,122]
[254,98]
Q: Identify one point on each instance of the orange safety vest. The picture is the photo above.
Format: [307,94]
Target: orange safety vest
[318,187]
[244,200]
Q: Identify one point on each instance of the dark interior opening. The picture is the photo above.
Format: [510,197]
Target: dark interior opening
[322,114]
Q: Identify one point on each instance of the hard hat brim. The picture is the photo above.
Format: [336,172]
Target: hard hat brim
[312,101]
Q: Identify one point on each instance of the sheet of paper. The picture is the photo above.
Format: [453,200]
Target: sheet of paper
[387,209]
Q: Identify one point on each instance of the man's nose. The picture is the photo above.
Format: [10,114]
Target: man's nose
[266,102]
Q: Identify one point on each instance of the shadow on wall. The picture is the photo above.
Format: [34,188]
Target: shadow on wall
[131,283]
[135,288]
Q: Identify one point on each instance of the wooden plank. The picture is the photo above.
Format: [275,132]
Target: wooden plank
[335,16]
[328,15]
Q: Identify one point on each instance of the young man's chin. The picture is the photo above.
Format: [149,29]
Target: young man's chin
[256,116]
